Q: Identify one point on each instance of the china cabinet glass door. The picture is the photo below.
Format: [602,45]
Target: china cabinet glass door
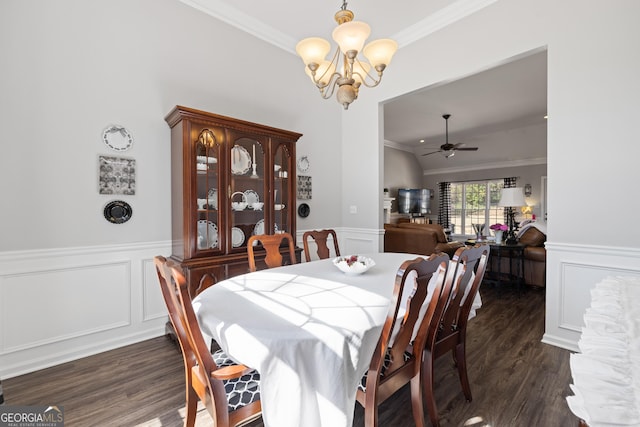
[247,190]
[207,186]
[282,199]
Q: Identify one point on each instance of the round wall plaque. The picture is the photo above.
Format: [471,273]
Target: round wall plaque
[118,212]
[117,138]
[304,210]
[303,164]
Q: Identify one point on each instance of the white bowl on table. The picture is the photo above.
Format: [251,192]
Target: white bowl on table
[353,264]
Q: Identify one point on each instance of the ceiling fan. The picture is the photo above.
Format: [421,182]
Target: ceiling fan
[449,150]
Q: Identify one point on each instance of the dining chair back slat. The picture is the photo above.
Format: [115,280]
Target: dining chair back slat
[320,238]
[212,378]
[271,244]
[397,359]
[470,264]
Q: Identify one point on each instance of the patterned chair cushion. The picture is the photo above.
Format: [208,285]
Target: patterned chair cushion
[385,365]
[240,391]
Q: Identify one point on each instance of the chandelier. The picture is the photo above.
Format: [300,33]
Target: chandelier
[353,72]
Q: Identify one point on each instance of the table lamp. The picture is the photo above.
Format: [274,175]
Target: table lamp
[511,198]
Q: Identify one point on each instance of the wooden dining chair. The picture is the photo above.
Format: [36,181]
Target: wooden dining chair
[471,263]
[229,391]
[397,359]
[271,243]
[320,238]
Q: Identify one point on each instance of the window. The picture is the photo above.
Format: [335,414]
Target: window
[475,203]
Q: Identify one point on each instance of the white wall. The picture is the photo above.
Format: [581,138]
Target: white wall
[401,170]
[69,69]
[592,99]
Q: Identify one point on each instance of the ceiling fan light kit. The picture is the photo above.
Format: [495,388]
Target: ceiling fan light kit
[449,150]
[350,36]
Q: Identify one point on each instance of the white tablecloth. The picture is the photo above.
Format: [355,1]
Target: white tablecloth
[310,331]
[606,372]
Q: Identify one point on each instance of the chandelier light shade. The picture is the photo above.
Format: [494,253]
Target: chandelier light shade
[379,52]
[313,50]
[346,70]
[351,35]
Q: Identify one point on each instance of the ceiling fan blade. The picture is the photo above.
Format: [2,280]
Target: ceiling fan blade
[466,149]
[433,152]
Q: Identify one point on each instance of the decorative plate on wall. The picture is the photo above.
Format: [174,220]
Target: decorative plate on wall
[303,164]
[304,210]
[117,138]
[118,212]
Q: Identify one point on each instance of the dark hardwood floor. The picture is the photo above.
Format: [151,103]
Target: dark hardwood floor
[515,379]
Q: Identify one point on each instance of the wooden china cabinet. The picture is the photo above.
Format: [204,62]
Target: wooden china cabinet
[229,179]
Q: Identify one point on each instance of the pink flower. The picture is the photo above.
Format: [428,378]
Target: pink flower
[502,227]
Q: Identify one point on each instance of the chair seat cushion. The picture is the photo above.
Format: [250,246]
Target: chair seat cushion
[240,391]
[385,365]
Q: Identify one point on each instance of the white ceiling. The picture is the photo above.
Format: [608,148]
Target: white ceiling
[483,107]
[507,96]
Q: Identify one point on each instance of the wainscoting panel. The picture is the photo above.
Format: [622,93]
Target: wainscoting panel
[360,241]
[572,272]
[153,306]
[62,304]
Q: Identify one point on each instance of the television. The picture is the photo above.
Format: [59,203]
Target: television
[414,201]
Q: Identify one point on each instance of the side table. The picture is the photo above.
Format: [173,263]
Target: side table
[515,254]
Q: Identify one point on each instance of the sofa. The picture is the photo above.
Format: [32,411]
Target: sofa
[422,239]
[535,254]
[533,237]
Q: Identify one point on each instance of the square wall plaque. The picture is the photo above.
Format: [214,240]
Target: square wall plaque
[117,175]
[304,187]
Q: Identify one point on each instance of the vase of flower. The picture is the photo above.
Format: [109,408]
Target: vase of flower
[498,231]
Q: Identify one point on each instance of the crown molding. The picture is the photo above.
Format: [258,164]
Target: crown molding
[398,146]
[442,18]
[432,23]
[232,16]
[493,165]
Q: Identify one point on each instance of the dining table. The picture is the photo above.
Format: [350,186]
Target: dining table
[309,329]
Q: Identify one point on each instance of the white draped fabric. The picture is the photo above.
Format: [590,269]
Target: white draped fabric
[310,331]
[606,372]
